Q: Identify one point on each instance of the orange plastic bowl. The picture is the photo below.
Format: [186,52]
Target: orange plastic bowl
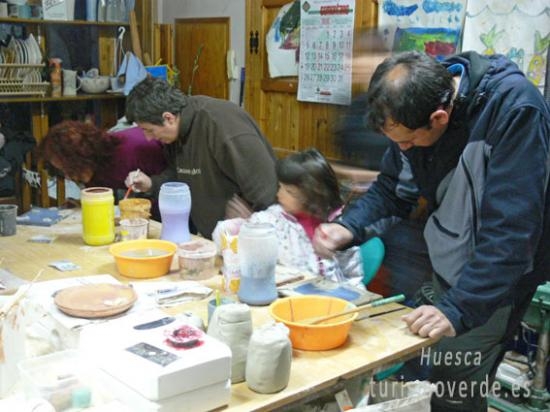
[143,258]
[327,335]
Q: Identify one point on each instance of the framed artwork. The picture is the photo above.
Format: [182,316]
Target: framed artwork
[433,27]
[283,42]
[519,29]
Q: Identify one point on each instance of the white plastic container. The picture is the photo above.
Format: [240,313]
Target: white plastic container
[59,378]
[197,259]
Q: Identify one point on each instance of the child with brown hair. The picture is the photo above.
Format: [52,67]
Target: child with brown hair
[308,195]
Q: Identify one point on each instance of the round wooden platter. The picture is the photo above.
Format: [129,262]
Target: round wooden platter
[97,300]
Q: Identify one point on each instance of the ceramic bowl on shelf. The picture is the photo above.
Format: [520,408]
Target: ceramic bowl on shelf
[94,85]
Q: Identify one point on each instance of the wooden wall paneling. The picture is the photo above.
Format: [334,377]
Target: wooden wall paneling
[366,13]
[156,52]
[281,123]
[147,28]
[366,17]
[265,97]
[146,16]
[293,121]
[326,131]
[211,36]
[315,124]
[308,126]
[253,101]
[163,49]
[106,45]
[272,127]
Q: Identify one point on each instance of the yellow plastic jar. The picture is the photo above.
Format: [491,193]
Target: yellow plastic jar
[98,215]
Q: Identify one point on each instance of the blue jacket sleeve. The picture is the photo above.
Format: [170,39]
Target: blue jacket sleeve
[390,198]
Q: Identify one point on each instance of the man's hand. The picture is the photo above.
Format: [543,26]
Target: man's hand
[237,207]
[428,321]
[330,237]
[139,181]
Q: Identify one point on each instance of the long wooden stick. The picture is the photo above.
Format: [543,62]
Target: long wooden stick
[379,302]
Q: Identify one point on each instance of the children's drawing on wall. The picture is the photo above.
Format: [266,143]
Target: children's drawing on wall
[429,26]
[519,29]
[283,41]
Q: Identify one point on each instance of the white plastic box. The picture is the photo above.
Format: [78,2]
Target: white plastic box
[58,9]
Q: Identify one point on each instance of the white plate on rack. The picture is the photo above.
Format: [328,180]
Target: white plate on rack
[23,71]
[2,61]
[24,51]
[19,58]
[34,50]
[11,56]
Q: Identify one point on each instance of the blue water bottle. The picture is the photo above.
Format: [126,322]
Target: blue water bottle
[175,206]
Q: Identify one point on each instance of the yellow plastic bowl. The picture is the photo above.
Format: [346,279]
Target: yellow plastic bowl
[327,335]
[143,258]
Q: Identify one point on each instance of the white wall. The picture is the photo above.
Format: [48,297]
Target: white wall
[169,10]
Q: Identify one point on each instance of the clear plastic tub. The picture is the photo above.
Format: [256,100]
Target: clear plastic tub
[61,378]
[197,259]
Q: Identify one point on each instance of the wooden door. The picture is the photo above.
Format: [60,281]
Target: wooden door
[290,125]
[201,47]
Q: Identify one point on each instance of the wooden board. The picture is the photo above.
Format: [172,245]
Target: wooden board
[211,36]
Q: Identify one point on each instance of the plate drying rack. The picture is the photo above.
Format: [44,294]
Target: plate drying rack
[22,79]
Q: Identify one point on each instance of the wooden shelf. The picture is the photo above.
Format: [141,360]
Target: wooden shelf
[38,99]
[102,38]
[15,20]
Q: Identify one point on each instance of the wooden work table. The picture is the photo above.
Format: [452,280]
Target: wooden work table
[372,344]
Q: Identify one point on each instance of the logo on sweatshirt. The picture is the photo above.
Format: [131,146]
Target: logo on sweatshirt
[191,172]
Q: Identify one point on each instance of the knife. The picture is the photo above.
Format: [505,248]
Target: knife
[388,311]
[366,316]
[155,324]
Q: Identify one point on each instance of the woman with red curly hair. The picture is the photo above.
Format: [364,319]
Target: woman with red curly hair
[90,156]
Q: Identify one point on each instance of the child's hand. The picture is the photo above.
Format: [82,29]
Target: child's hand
[237,207]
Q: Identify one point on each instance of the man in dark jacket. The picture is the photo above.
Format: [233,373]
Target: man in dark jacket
[471,147]
[211,144]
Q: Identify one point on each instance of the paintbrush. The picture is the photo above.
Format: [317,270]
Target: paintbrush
[379,302]
[130,189]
